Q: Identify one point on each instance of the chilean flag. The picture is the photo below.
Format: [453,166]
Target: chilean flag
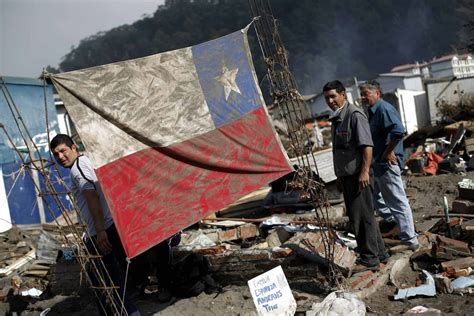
[174,136]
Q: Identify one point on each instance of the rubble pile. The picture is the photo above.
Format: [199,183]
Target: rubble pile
[220,252]
[28,255]
[26,258]
[238,251]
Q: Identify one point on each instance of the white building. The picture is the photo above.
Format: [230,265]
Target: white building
[453,65]
[415,69]
[460,66]
[390,82]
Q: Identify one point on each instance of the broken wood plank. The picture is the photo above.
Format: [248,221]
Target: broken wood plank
[458,264]
[225,223]
[36,273]
[31,255]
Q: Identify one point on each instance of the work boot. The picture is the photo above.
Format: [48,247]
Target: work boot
[362,266]
[384,258]
[404,247]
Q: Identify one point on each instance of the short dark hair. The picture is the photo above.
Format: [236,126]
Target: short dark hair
[335,84]
[59,140]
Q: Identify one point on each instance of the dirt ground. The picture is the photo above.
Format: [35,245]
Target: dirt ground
[426,197]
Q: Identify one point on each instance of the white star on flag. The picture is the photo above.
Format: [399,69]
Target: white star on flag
[227,79]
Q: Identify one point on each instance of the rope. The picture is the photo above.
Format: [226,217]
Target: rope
[21,170]
[125,284]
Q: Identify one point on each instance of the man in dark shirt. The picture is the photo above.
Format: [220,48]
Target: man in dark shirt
[387,134]
[352,155]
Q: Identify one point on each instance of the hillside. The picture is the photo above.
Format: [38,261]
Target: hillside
[325,39]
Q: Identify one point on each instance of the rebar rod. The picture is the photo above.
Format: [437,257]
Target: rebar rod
[289,103]
[96,263]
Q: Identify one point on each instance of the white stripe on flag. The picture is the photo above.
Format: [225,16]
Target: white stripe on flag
[125,107]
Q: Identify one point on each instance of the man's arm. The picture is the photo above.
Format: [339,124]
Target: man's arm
[364,140]
[396,131]
[93,202]
[365,167]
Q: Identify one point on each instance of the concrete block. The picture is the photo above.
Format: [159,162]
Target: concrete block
[449,249]
[443,284]
[310,245]
[228,235]
[452,243]
[248,231]
[277,253]
[277,236]
[255,255]
[272,240]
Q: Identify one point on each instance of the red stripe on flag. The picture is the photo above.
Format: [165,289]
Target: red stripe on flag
[157,192]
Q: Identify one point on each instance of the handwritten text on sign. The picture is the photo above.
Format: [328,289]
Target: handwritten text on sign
[271,293]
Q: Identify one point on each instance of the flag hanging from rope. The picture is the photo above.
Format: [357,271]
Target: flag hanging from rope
[174,136]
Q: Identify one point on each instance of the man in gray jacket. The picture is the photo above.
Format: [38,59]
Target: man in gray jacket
[352,153]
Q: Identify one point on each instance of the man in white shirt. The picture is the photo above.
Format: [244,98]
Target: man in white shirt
[95,214]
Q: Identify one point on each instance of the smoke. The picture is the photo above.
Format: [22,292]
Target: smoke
[364,38]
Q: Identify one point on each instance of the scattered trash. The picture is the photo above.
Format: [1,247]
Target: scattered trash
[34,292]
[274,221]
[349,241]
[427,289]
[466,189]
[463,282]
[338,303]
[45,312]
[422,309]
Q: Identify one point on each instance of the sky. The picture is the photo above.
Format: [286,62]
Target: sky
[38,33]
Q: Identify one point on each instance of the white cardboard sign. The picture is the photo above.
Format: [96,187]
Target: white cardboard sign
[271,293]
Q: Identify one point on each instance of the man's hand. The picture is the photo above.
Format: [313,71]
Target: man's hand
[364,179]
[103,243]
[390,158]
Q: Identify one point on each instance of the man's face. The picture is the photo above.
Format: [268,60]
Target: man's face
[369,97]
[65,155]
[334,99]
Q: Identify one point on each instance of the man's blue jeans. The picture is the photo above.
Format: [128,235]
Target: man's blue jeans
[391,203]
